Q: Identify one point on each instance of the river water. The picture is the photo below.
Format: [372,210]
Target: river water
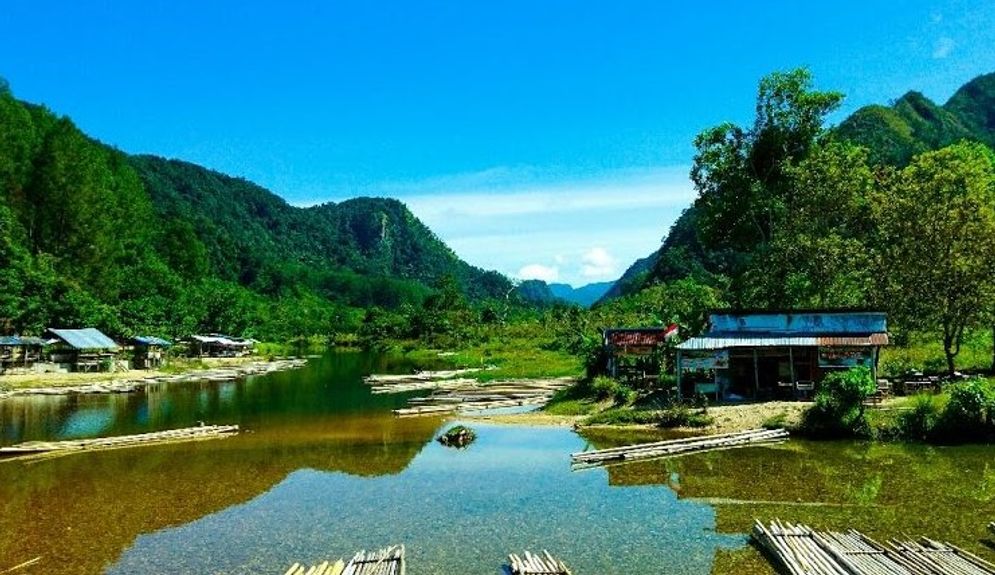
[323,469]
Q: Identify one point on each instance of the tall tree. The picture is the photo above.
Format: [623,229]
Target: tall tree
[743,176]
[938,241]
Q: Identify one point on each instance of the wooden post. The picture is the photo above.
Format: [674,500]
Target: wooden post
[756,375]
[791,364]
[680,371]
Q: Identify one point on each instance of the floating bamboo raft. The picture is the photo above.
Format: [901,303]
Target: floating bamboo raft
[670,447]
[38,448]
[474,396]
[419,377]
[387,561]
[534,564]
[799,550]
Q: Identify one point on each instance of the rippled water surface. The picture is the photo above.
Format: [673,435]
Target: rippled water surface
[324,469]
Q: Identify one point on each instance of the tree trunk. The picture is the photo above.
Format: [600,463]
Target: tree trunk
[948,350]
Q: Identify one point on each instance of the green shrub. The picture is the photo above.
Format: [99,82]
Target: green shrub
[920,421]
[778,421]
[839,405]
[969,412]
[608,388]
[682,416]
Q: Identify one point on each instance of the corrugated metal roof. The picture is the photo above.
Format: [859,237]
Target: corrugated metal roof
[86,338]
[726,341]
[151,340]
[14,340]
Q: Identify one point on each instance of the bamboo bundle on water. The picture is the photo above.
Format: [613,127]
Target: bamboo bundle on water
[387,561]
[478,397]
[531,564]
[678,446]
[36,448]
[799,550]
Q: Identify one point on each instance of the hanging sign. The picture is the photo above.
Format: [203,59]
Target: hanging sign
[717,360]
[845,356]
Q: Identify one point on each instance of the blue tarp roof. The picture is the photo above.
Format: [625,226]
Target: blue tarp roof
[86,338]
[151,340]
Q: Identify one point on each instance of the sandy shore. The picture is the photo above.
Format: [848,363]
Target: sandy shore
[727,418]
[54,381]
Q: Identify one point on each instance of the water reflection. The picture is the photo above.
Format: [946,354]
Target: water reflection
[457,511]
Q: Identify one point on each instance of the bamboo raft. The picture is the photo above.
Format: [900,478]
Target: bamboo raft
[799,550]
[475,396]
[417,377]
[387,561]
[585,459]
[41,448]
[534,564]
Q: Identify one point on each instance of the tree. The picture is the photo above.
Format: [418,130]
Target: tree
[746,187]
[938,241]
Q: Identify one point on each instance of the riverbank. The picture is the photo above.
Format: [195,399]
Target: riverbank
[722,418]
[178,370]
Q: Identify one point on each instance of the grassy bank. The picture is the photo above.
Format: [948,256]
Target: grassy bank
[504,359]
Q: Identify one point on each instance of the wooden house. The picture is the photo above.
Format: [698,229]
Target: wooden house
[84,349]
[19,352]
[636,354]
[148,351]
[770,355]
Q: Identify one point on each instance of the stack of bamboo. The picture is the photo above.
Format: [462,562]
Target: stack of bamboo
[388,561]
[535,564]
[476,396]
[677,447]
[156,437]
[801,551]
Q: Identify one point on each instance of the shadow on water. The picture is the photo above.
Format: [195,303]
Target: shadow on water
[80,512]
[883,490]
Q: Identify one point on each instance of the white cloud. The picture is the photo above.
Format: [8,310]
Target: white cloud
[598,263]
[539,272]
[943,47]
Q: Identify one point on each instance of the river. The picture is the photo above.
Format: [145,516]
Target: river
[323,469]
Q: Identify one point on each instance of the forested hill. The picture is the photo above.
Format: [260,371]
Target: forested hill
[250,232]
[90,236]
[891,135]
[915,124]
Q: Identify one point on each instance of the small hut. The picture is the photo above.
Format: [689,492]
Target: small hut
[219,345]
[19,352]
[636,354]
[148,351]
[84,349]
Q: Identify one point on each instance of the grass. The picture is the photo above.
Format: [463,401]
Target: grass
[924,352]
[510,358]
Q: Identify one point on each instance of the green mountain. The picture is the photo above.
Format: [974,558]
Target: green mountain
[893,135]
[92,236]
[915,124]
[249,231]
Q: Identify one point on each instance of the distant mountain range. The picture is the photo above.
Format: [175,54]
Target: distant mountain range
[538,291]
[893,135]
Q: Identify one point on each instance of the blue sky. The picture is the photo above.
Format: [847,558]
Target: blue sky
[541,139]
